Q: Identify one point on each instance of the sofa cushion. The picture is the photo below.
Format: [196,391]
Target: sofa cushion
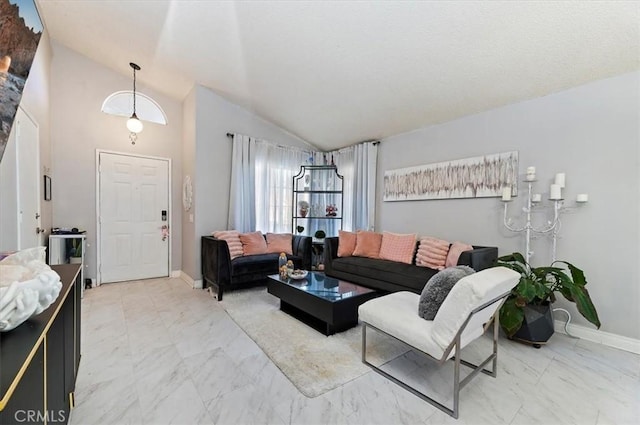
[397,247]
[367,244]
[346,243]
[279,242]
[253,243]
[381,274]
[432,253]
[437,289]
[232,238]
[455,250]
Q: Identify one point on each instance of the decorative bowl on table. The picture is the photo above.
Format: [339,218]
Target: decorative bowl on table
[298,274]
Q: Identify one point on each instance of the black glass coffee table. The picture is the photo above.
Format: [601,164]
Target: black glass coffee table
[327,304]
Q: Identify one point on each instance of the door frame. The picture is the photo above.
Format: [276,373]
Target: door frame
[98,224]
[19,163]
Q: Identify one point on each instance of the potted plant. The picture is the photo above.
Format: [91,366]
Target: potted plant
[526,314]
[319,234]
[75,253]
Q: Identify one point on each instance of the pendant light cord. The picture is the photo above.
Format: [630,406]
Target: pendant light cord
[134,91]
[135,68]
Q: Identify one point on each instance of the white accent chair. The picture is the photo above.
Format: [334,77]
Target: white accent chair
[465,315]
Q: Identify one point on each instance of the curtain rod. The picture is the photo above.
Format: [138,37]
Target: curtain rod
[376,142]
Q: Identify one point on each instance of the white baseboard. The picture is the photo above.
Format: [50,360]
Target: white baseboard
[175,273]
[606,338]
[195,284]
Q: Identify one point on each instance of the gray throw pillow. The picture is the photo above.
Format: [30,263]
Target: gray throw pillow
[437,289]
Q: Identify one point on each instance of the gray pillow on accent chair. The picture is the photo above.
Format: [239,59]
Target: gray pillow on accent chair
[437,289]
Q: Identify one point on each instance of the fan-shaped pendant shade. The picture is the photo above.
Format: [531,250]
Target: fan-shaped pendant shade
[121,103]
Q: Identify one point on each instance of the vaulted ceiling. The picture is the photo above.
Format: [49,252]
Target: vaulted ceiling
[336,73]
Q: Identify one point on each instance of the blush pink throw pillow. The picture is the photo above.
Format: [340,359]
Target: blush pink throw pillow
[232,238]
[346,243]
[396,247]
[368,244]
[253,243]
[432,253]
[280,242]
[456,249]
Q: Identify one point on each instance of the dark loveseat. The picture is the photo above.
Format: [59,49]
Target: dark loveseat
[222,273]
[390,276]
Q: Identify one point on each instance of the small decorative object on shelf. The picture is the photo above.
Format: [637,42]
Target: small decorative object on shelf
[331,210]
[319,234]
[300,229]
[303,208]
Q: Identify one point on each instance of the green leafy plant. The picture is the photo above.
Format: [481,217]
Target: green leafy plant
[538,285]
[320,234]
[76,251]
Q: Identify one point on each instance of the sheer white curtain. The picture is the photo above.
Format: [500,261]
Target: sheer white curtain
[242,191]
[275,168]
[262,184]
[358,165]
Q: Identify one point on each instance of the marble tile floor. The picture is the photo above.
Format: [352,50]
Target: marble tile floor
[159,352]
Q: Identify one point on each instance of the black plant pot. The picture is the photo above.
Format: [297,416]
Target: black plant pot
[537,326]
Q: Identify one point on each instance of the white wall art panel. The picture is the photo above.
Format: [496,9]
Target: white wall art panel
[477,177]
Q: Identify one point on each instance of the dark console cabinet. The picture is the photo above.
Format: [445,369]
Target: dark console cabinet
[39,359]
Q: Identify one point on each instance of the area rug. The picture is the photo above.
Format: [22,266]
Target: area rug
[313,362]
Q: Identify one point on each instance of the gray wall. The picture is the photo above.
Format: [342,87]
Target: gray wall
[78,128]
[591,133]
[214,118]
[189,240]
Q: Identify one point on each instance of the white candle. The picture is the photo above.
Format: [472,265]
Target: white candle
[531,173]
[506,193]
[536,197]
[555,192]
[560,179]
[582,197]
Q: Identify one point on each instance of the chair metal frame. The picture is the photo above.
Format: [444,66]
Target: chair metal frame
[457,383]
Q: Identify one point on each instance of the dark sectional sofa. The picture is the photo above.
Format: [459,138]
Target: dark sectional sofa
[391,276]
[222,273]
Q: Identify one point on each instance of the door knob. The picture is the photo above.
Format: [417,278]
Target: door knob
[37,216]
[39,230]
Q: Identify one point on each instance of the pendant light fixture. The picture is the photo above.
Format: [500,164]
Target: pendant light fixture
[134,125]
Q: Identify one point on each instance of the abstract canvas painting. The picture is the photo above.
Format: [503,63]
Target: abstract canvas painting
[478,177]
[20,31]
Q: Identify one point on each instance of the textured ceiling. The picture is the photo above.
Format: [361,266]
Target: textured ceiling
[336,73]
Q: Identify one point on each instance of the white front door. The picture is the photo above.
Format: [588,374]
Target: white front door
[133,208]
[28,171]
